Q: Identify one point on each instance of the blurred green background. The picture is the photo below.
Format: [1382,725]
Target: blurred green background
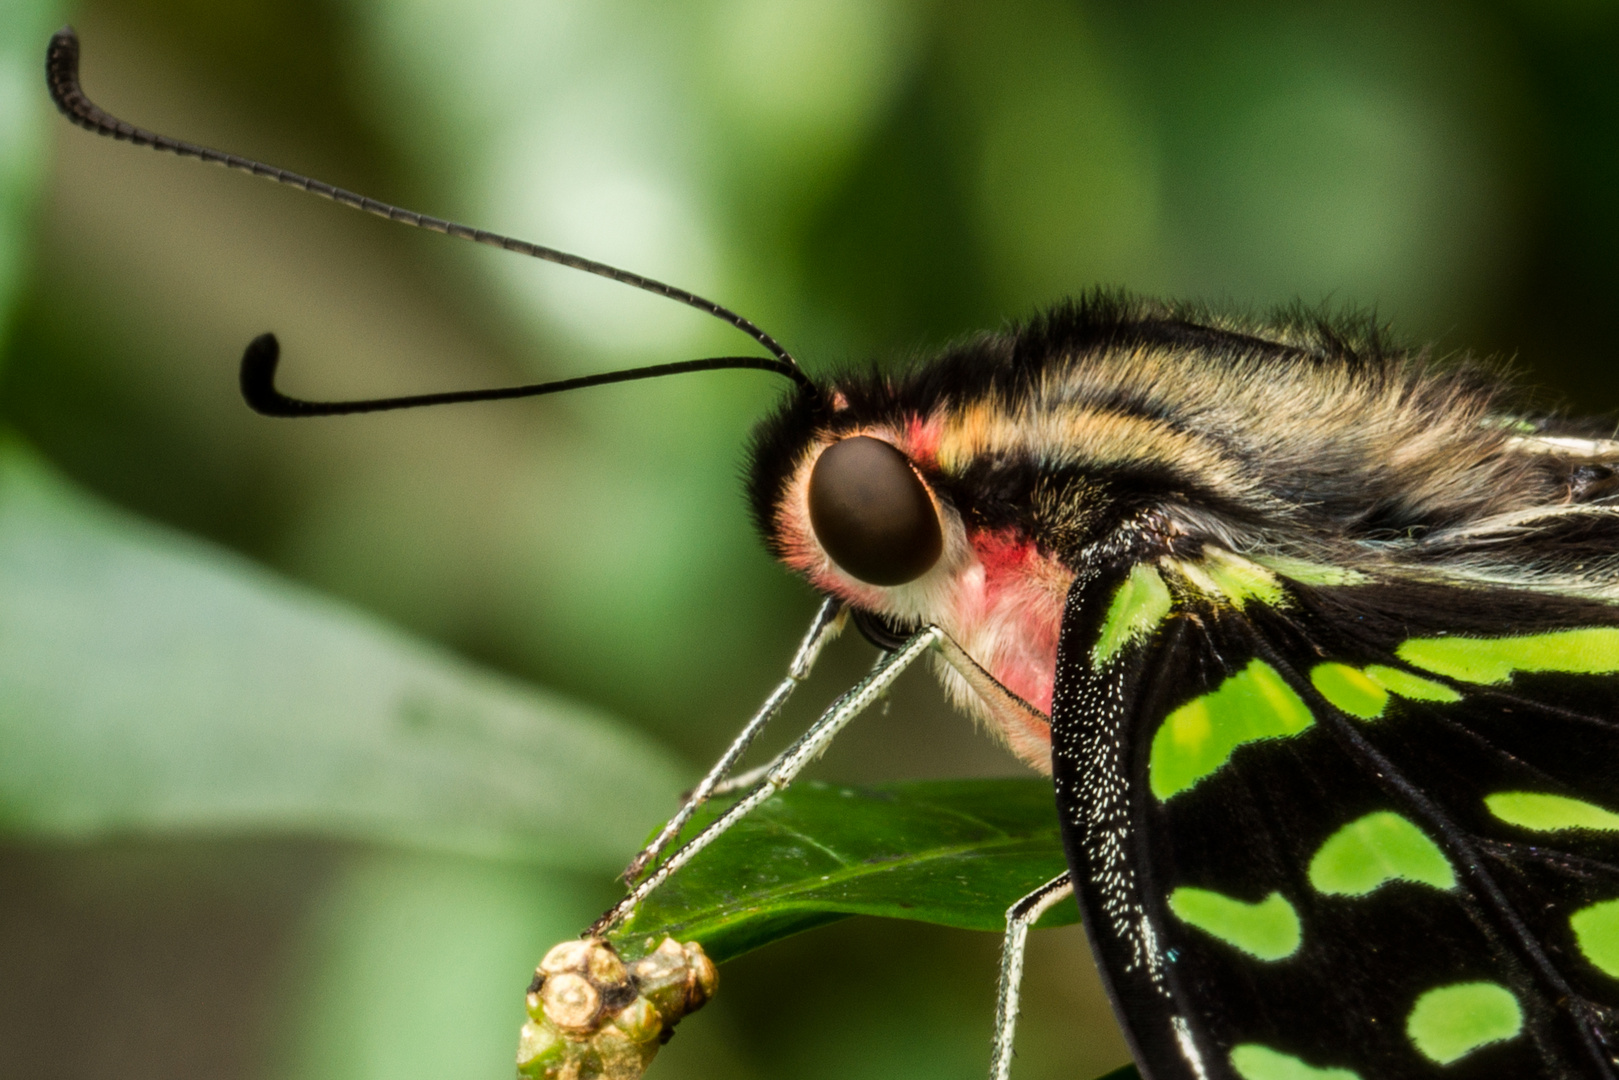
[222,858]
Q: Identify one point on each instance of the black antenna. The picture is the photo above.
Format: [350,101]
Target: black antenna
[260,359]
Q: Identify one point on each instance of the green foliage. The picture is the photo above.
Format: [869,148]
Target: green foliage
[954,853]
[154,684]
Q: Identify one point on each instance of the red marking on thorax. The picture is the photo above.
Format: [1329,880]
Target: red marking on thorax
[1004,553]
[921,440]
[1013,618]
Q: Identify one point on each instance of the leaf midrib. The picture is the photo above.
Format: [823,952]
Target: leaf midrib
[780,898]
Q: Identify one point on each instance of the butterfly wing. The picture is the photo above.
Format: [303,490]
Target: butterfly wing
[1325,828]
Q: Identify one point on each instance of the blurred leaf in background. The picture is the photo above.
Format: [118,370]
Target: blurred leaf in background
[866,180]
[151,683]
[24,138]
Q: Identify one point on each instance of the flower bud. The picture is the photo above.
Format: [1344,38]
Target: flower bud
[591,1015]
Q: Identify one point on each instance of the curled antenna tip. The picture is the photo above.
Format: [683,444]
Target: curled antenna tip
[259,362]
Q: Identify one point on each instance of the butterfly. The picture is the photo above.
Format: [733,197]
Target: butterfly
[1315,635]
[1317,639]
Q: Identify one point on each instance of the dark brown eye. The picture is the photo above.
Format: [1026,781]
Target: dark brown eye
[871,513]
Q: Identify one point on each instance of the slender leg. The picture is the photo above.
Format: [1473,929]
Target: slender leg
[1019,918]
[743,781]
[825,626]
[809,746]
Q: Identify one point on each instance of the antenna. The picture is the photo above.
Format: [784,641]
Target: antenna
[263,353]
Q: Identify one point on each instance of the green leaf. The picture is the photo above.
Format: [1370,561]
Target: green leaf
[151,683]
[954,852]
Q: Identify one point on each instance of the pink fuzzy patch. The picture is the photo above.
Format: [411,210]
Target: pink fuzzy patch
[1019,614]
[920,440]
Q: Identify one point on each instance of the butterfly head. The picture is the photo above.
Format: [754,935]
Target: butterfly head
[868,488]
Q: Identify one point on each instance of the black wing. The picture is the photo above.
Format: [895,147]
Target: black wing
[1341,830]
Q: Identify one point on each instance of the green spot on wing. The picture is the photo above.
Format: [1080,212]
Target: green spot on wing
[1407,685]
[1549,813]
[1241,580]
[1138,606]
[1350,690]
[1450,1022]
[1268,930]
[1365,692]
[1592,650]
[1201,735]
[1375,849]
[1255,1062]
[1596,930]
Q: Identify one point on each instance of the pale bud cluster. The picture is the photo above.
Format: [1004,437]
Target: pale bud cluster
[593,1017]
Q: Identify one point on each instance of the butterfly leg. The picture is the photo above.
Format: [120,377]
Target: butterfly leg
[744,780]
[1019,918]
[823,628]
[806,749]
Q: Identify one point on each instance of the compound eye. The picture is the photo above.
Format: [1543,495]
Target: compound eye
[871,512]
